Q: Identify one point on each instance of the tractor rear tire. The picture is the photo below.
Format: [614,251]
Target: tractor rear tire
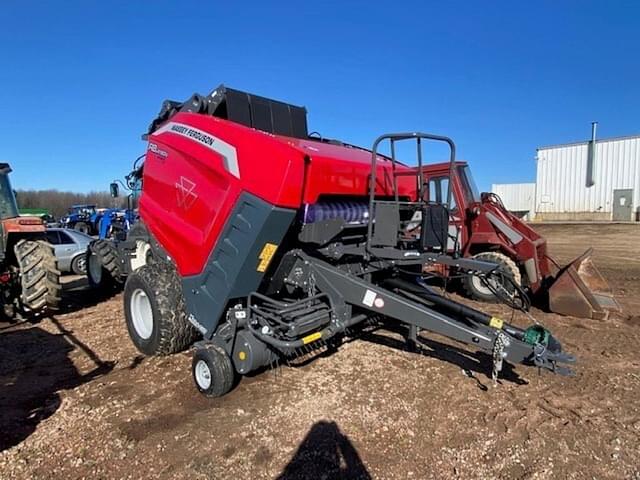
[103,265]
[474,286]
[155,311]
[39,276]
[212,371]
[82,227]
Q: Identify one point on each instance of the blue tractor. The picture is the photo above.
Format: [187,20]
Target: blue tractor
[84,218]
[115,223]
[123,244]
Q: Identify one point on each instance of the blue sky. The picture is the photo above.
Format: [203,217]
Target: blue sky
[81,80]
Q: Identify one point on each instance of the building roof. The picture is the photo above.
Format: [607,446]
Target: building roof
[586,142]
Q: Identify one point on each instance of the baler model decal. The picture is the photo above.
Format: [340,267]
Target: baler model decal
[185,191]
[192,319]
[157,150]
[222,148]
[265,256]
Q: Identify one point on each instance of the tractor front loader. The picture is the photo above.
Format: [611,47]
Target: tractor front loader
[268,244]
[480,227]
[29,277]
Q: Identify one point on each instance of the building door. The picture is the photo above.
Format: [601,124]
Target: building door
[622,205]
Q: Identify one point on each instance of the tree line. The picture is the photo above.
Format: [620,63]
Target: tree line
[57,203]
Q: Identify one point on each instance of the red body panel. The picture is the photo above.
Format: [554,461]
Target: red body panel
[190,190]
[341,170]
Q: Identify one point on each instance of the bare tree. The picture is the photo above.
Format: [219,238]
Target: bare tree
[57,203]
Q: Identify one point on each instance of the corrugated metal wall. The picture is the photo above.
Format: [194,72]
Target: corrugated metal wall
[517,197]
[562,175]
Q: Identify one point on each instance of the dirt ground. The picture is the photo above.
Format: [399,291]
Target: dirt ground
[78,401]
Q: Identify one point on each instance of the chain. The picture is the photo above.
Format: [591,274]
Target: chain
[499,345]
[312,285]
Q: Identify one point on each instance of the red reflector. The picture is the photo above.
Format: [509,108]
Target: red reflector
[5,277]
[30,221]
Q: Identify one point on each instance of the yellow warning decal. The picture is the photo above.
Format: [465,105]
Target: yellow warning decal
[495,322]
[312,338]
[267,253]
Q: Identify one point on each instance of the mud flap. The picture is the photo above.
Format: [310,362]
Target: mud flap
[580,290]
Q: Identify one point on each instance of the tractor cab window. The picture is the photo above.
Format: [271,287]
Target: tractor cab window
[82,210]
[8,205]
[470,190]
[438,190]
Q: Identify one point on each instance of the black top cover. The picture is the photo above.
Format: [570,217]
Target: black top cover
[245,108]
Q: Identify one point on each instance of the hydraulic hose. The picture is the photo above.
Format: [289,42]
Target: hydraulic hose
[324,334]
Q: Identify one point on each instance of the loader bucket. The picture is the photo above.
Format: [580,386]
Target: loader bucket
[580,290]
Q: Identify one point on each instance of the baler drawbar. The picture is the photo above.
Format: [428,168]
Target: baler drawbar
[267,242]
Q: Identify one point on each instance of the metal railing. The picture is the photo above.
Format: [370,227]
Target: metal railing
[393,138]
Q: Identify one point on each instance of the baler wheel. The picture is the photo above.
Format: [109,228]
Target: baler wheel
[155,312]
[39,275]
[212,370]
[103,265]
[476,288]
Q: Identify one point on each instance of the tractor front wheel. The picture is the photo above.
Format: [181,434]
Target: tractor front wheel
[103,265]
[39,275]
[155,312]
[483,288]
[82,227]
[143,255]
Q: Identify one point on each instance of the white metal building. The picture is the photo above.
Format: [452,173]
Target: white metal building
[518,198]
[573,184]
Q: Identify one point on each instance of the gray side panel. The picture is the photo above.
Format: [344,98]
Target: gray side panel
[231,270]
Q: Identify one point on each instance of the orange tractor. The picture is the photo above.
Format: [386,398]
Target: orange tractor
[29,278]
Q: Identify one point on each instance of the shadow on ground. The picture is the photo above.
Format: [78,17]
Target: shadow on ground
[34,367]
[77,295]
[325,453]
[471,363]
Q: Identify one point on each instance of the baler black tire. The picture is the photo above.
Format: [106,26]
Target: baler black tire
[220,370]
[171,332]
[105,254]
[507,265]
[41,289]
[82,227]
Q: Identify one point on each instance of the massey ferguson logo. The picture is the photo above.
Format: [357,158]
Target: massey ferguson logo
[185,192]
[193,133]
